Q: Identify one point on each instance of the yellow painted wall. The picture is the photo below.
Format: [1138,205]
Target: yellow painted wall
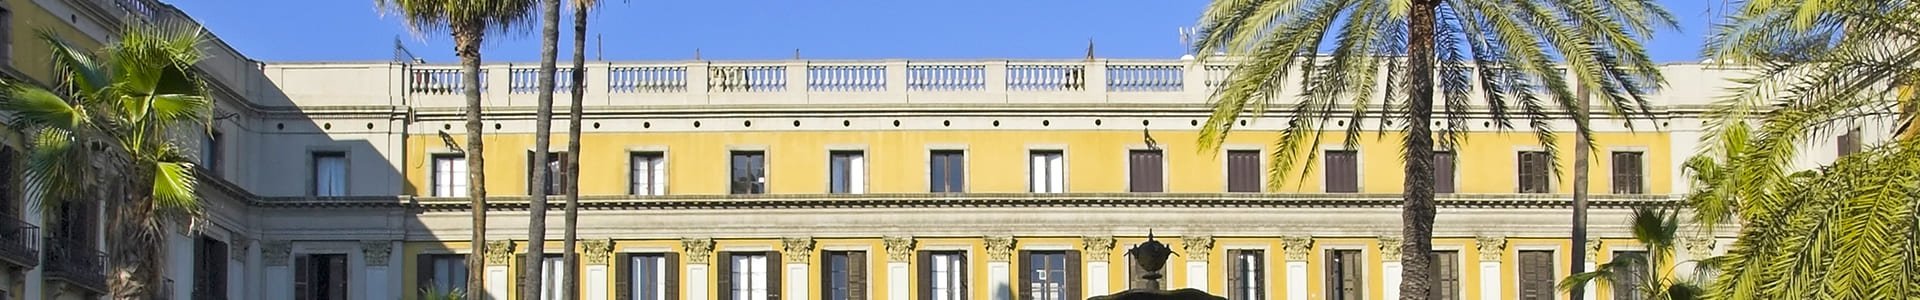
[29,54]
[697,163]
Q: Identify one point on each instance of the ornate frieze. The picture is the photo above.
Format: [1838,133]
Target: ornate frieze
[1097,248]
[899,248]
[697,250]
[597,252]
[1700,247]
[499,252]
[1389,248]
[1197,247]
[276,253]
[1298,247]
[1491,247]
[999,248]
[796,249]
[376,252]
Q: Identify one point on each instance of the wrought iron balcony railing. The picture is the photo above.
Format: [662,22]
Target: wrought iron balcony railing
[19,242]
[71,260]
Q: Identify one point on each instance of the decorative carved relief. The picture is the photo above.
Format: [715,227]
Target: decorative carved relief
[697,250]
[1097,248]
[1389,248]
[1298,247]
[237,247]
[1593,251]
[376,252]
[999,248]
[1197,247]
[899,248]
[597,252]
[796,249]
[1491,247]
[275,253]
[499,252]
[1700,247]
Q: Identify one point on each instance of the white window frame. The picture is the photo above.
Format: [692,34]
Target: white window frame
[1322,250]
[455,182]
[660,274]
[856,171]
[966,182]
[750,276]
[1266,267]
[554,268]
[337,186]
[658,167]
[1056,182]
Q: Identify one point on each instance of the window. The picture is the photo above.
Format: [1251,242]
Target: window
[1534,167]
[1850,142]
[441,272]
[1246,274]
[10,183]
[556,164]
[1633,271]
[1346,278]
[6,35]
[651,276]
[749,172]
[1444,270]
[449,175]
[329,174]
[845,276]
[1146,174]
[1627,170]
[1047,172]
[648,171]
[1243,171]
[1536,275]
[1443,171]
[209,269]
[750,276]
[947,171]
[554,268]
[320,277]
[943,275]
[1343,171]
[210,153]
[846,172]
[1050,275]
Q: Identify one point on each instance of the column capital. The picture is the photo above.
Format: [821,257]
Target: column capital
[1298,247]
[499,252]
[697,250]
[1389,248]
[899,248]
[276,252]
[1197,247]
[376,252]
[796,249]
[1097,248]
[999,248]
[1699,247]
[1593,251]
[237,247]
[596,252]
[1491,248]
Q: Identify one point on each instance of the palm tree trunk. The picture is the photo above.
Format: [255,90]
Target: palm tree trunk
[136,263]
[573,141]
[542,135]
[467,38]
[1581,154]
[1417,216]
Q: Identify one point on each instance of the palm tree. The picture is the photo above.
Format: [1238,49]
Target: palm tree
[468,21]
[1511,50]
[1840,231]
[122,105]
[580,8]
[542,135]
[1651,274]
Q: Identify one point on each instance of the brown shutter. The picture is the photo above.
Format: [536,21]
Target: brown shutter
[1023,288]
[1536,275]
[923,265]
[1073,274]
[724,267]
[623,276]
[1243,171]
[672,279]
[965,272]
[520,267]
[1235,290]
[1443,172]
[857,275]
[774,269]
[1341,173]
[302,277]
[1145,174]
[1850,142]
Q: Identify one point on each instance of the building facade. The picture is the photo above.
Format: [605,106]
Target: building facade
[808,179]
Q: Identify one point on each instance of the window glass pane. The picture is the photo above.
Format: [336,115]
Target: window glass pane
[749,172]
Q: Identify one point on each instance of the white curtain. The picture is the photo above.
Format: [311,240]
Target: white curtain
[330,175]
[1047,172]
[450,177]
[555,270]
[749,277]
[649,175]
[857,174]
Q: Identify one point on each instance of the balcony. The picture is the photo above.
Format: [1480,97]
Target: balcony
[19,242]
[72,261]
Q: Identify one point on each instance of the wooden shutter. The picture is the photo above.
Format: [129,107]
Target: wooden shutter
[1145,172]
[1243,171]
[1850,142]
[1236,283]
[1626,173]
[1024,287]
[1443,172]
[724,267]
[520,268]
[1536,275]
[774,269]
[857,275]
[1072,281]
[302,278]
[1445,275]
[623,276]
[923,263]
[1342,174]
[1533,172]
[672,278]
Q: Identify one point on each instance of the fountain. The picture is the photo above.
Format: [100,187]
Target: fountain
[1152,257]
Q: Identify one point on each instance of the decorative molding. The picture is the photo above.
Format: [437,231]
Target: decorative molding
[1699,247]
[1097,248]
[899,248]
[1389,248]
[597,252]
[770,201]
[796,249]
[377,253]
[1197,247]
[276,252]
[1491,248]
[1298,248]
[999,248]
[1593,251]
[237,247]
[697,250]
[499,252]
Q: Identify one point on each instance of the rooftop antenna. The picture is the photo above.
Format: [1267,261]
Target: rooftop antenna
[600,47]
[1089,49]
[402,56]
[796,53]
[696,53]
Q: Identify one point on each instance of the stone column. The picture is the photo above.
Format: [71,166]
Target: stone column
[797,251]
[1298,249]
[1390,266]
[499,256]
[1491,250]
[899,269]
[237,275]
[1197,249]
[276,255]
[377,254]
[1593,256]
[597,255]
[1095,250]
[698,252]
[1000,267]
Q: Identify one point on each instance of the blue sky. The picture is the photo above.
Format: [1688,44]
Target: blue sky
[353,30]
